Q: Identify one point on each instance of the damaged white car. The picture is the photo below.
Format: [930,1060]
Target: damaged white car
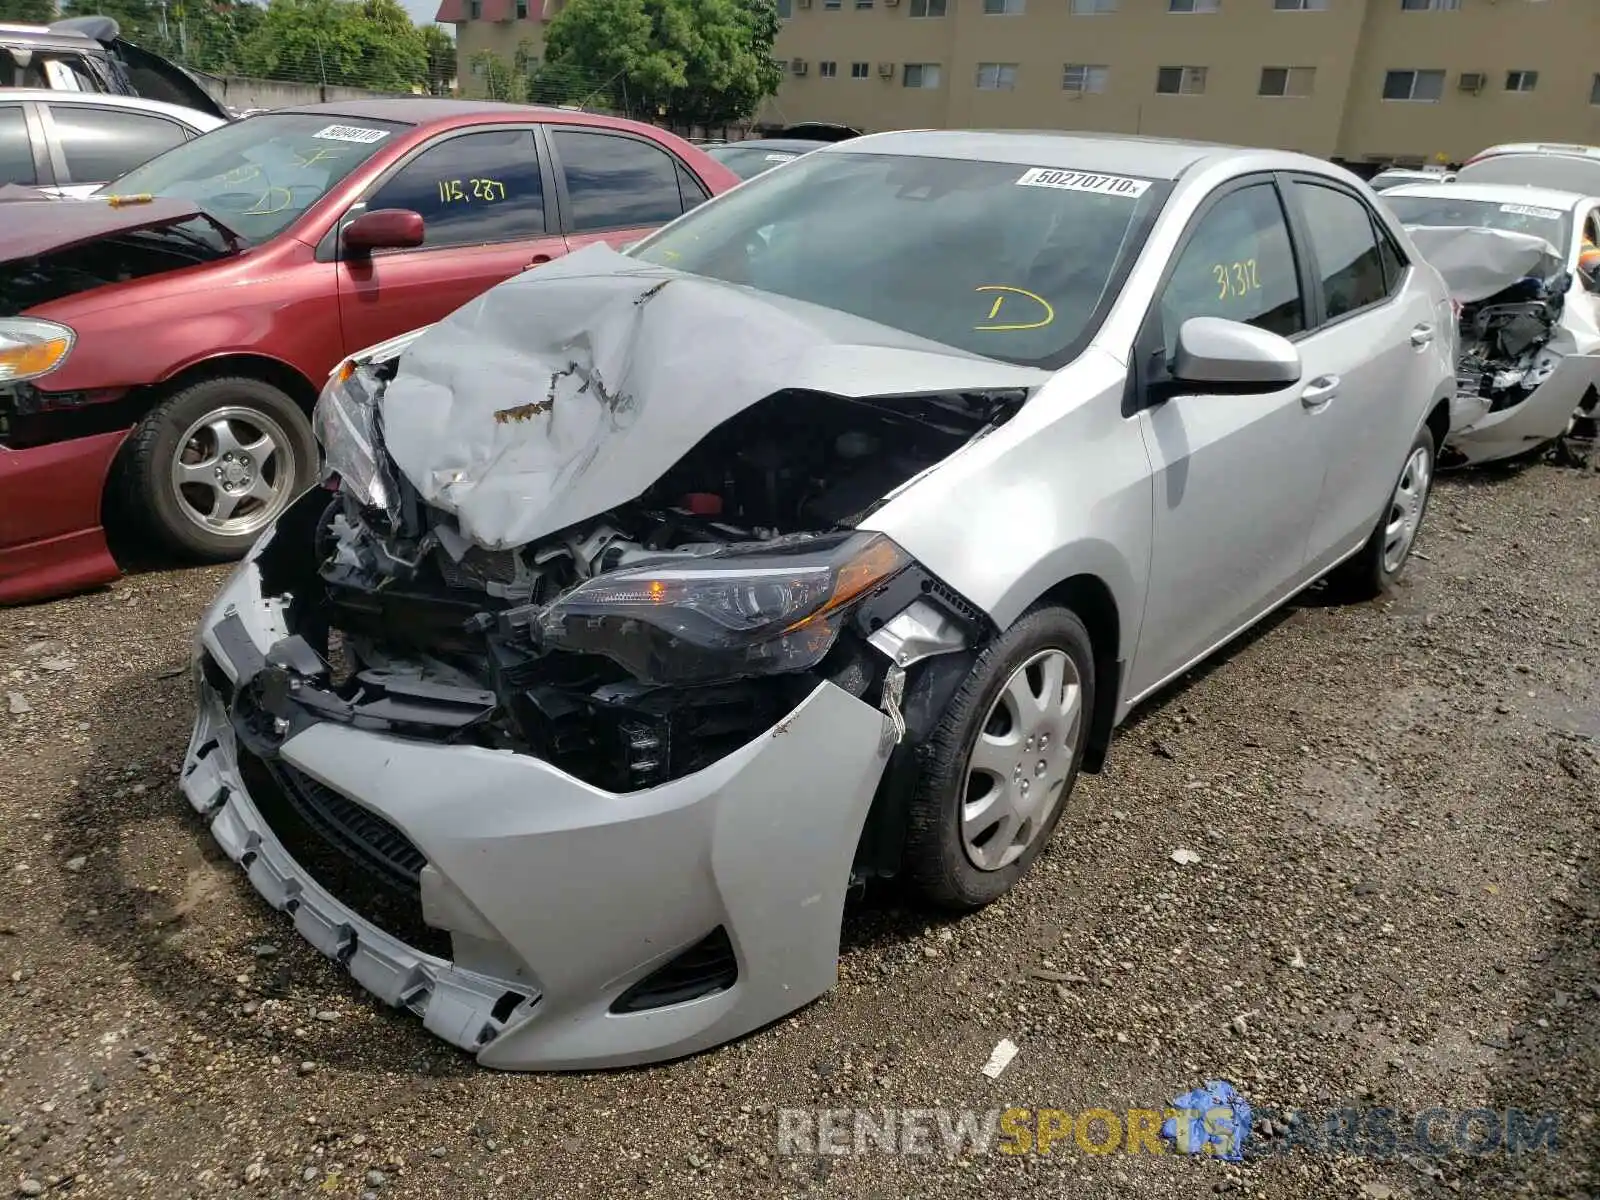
[1529,323]
[658,599]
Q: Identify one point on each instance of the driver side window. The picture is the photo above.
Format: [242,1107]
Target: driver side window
[1238,264]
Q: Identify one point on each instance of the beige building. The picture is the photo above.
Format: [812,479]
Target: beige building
[1405,80]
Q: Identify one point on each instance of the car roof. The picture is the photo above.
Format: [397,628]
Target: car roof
[192,117]
[774,144]
[1569,149]
[431,110]
[1150,157]
[1494,193]
[38,35]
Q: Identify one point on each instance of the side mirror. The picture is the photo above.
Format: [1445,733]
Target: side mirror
[1230,358]
[384,229]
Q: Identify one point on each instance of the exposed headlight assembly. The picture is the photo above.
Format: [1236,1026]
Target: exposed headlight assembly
[747,612]
[30,348]
[345,422]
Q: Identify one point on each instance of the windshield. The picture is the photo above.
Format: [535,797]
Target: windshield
[257,175]
[1001,259]
[747,162]
[1553,225]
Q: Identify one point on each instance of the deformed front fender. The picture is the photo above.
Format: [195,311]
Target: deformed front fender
[1542,417]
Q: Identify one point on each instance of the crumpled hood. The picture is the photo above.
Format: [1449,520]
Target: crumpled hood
[1478,263]
[35,225]
[570,389]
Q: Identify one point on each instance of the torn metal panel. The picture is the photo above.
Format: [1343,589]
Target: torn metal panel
[565,392]
[1544,415]
[1478,263]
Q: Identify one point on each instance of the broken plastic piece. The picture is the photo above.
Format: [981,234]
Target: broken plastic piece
[1005,1050]
[1215,1122]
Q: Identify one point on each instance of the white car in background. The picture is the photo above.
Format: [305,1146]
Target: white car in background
[1529,365]
[1397,176]
[71,143]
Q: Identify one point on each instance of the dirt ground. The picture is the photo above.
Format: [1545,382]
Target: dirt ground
[1394,808]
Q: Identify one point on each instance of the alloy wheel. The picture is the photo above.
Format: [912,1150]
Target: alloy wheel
[234,471]
[1405,509]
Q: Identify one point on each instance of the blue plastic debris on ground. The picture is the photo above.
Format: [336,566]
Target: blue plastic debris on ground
[1214,1121]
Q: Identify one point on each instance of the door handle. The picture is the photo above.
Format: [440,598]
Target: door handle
[1319,391]
[1421,335]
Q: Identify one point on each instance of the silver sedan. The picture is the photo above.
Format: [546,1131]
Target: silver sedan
[657,599]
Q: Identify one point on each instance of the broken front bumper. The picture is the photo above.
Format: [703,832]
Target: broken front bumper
[1544,415]
[51,540]
[559,925]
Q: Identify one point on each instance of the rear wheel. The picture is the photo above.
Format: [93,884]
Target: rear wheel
[1375,568]
[1002,762]
[214,464]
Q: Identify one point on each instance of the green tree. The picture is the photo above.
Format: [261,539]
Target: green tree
[440,48]
[355,43]
[28,12]
[695,61]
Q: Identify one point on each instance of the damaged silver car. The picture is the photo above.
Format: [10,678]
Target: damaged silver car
[657,600]
[1529,317]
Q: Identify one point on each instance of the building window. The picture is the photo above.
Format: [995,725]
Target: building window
[1180,81]
[920,75]
[831,4]
[1300,5]
[1193,6]
[1093,8]
[827,69]
[863,3]
[1429,5]
[859,70]
[474,9]
[1081,77]
[522,10]
[1286,81]
[1003,8]
[785,9]
[997,77]
[1594,90]
[1521,81]
[927,8]
[1413,85]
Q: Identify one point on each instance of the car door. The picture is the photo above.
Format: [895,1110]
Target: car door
[90,144]
[1379,342]
[615,186]
[482,194]
[1236,478]
[24,160]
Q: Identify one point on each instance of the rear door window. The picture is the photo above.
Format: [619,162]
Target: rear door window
[16,151]
[100,144]
[471,189]
[616,182]
[1349,259]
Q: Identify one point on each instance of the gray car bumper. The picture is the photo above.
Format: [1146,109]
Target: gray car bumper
[558,897]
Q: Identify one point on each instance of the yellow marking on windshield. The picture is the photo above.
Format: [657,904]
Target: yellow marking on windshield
[243,173]
[302,159]
[1005,291]
[264,207]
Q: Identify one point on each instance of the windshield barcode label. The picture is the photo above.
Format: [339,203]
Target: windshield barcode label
[351,133]
[1525,210]
[1082,181]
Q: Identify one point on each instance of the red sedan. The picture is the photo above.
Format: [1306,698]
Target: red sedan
[161,345]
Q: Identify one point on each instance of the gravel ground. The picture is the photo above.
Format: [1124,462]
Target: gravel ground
[1394,808]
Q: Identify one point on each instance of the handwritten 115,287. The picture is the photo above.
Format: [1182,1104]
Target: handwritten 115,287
[465,191]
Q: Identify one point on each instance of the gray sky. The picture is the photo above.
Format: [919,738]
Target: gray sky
[422,12]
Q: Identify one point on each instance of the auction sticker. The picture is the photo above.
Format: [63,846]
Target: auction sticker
[1084,181]
[351,133]
[781,158]
[1524,210]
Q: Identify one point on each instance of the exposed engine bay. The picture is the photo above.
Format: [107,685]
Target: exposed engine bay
[1505,339]
[28,282]
[407,625]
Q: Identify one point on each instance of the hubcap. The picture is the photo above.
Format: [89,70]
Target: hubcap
[1018,769]
[1405,510]
[234,471]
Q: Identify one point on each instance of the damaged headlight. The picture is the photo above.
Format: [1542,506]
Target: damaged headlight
[30,347]
[345,422]
[721,616]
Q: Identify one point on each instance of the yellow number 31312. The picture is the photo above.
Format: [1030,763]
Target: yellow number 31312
[1236,279]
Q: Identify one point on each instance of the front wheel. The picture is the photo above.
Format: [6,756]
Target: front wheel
[1375,568]
[214,464]
[998,769]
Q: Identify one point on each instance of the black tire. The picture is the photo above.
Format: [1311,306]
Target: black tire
[1365,575]
[936,861]
[145,484]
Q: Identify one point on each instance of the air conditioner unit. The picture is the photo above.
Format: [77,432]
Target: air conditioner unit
[799,66]
[1470,81]
[885,70]
[891,3]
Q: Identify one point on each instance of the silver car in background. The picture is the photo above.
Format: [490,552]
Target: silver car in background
[657,599]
